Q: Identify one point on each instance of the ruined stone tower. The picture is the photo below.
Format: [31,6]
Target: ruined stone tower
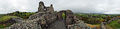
[43,8]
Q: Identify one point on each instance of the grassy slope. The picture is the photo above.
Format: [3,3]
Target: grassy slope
[1,15]
[92,18]
[5,18]
[115,24]
[108,27]
[112,25]
[23,15]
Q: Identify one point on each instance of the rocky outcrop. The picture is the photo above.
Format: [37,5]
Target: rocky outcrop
[45,18]
[58,24]
[17,20]
[78,24]
[42,9]
[41,19]
[24,25]
[37,15]
[71,21]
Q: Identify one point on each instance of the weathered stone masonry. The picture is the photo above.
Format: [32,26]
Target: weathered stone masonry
[45,18]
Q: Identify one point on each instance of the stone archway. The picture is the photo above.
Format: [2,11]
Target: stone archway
[68,16]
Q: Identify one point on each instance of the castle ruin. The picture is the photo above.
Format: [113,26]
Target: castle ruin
[45,18]
[43,8]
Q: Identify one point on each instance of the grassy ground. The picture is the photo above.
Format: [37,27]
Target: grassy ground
[115,24]
[108,27]
[5,25]
[5,18]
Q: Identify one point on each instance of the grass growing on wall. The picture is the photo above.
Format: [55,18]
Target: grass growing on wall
[63,15]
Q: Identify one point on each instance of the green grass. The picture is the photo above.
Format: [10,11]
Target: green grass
[5,25]
[115,24]
[63,15]
[2,15]
[24,15]
[5,18]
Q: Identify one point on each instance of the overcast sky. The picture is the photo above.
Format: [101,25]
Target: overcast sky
[82,6]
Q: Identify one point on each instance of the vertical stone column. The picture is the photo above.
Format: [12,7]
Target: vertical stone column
[41,7]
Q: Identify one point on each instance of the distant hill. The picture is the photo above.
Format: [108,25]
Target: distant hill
[23,15]
[2,15]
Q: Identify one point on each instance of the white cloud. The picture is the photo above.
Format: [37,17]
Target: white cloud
[8,6]
[87,6]
[113,11]
[83,6]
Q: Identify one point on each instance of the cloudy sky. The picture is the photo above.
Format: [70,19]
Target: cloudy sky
[82,6]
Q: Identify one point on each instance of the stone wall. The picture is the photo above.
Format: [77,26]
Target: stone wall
[43,8]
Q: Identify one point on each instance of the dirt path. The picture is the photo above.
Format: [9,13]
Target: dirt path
[57,25]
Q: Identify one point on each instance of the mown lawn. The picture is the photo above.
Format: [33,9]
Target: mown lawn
[5,18]
[115,24]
